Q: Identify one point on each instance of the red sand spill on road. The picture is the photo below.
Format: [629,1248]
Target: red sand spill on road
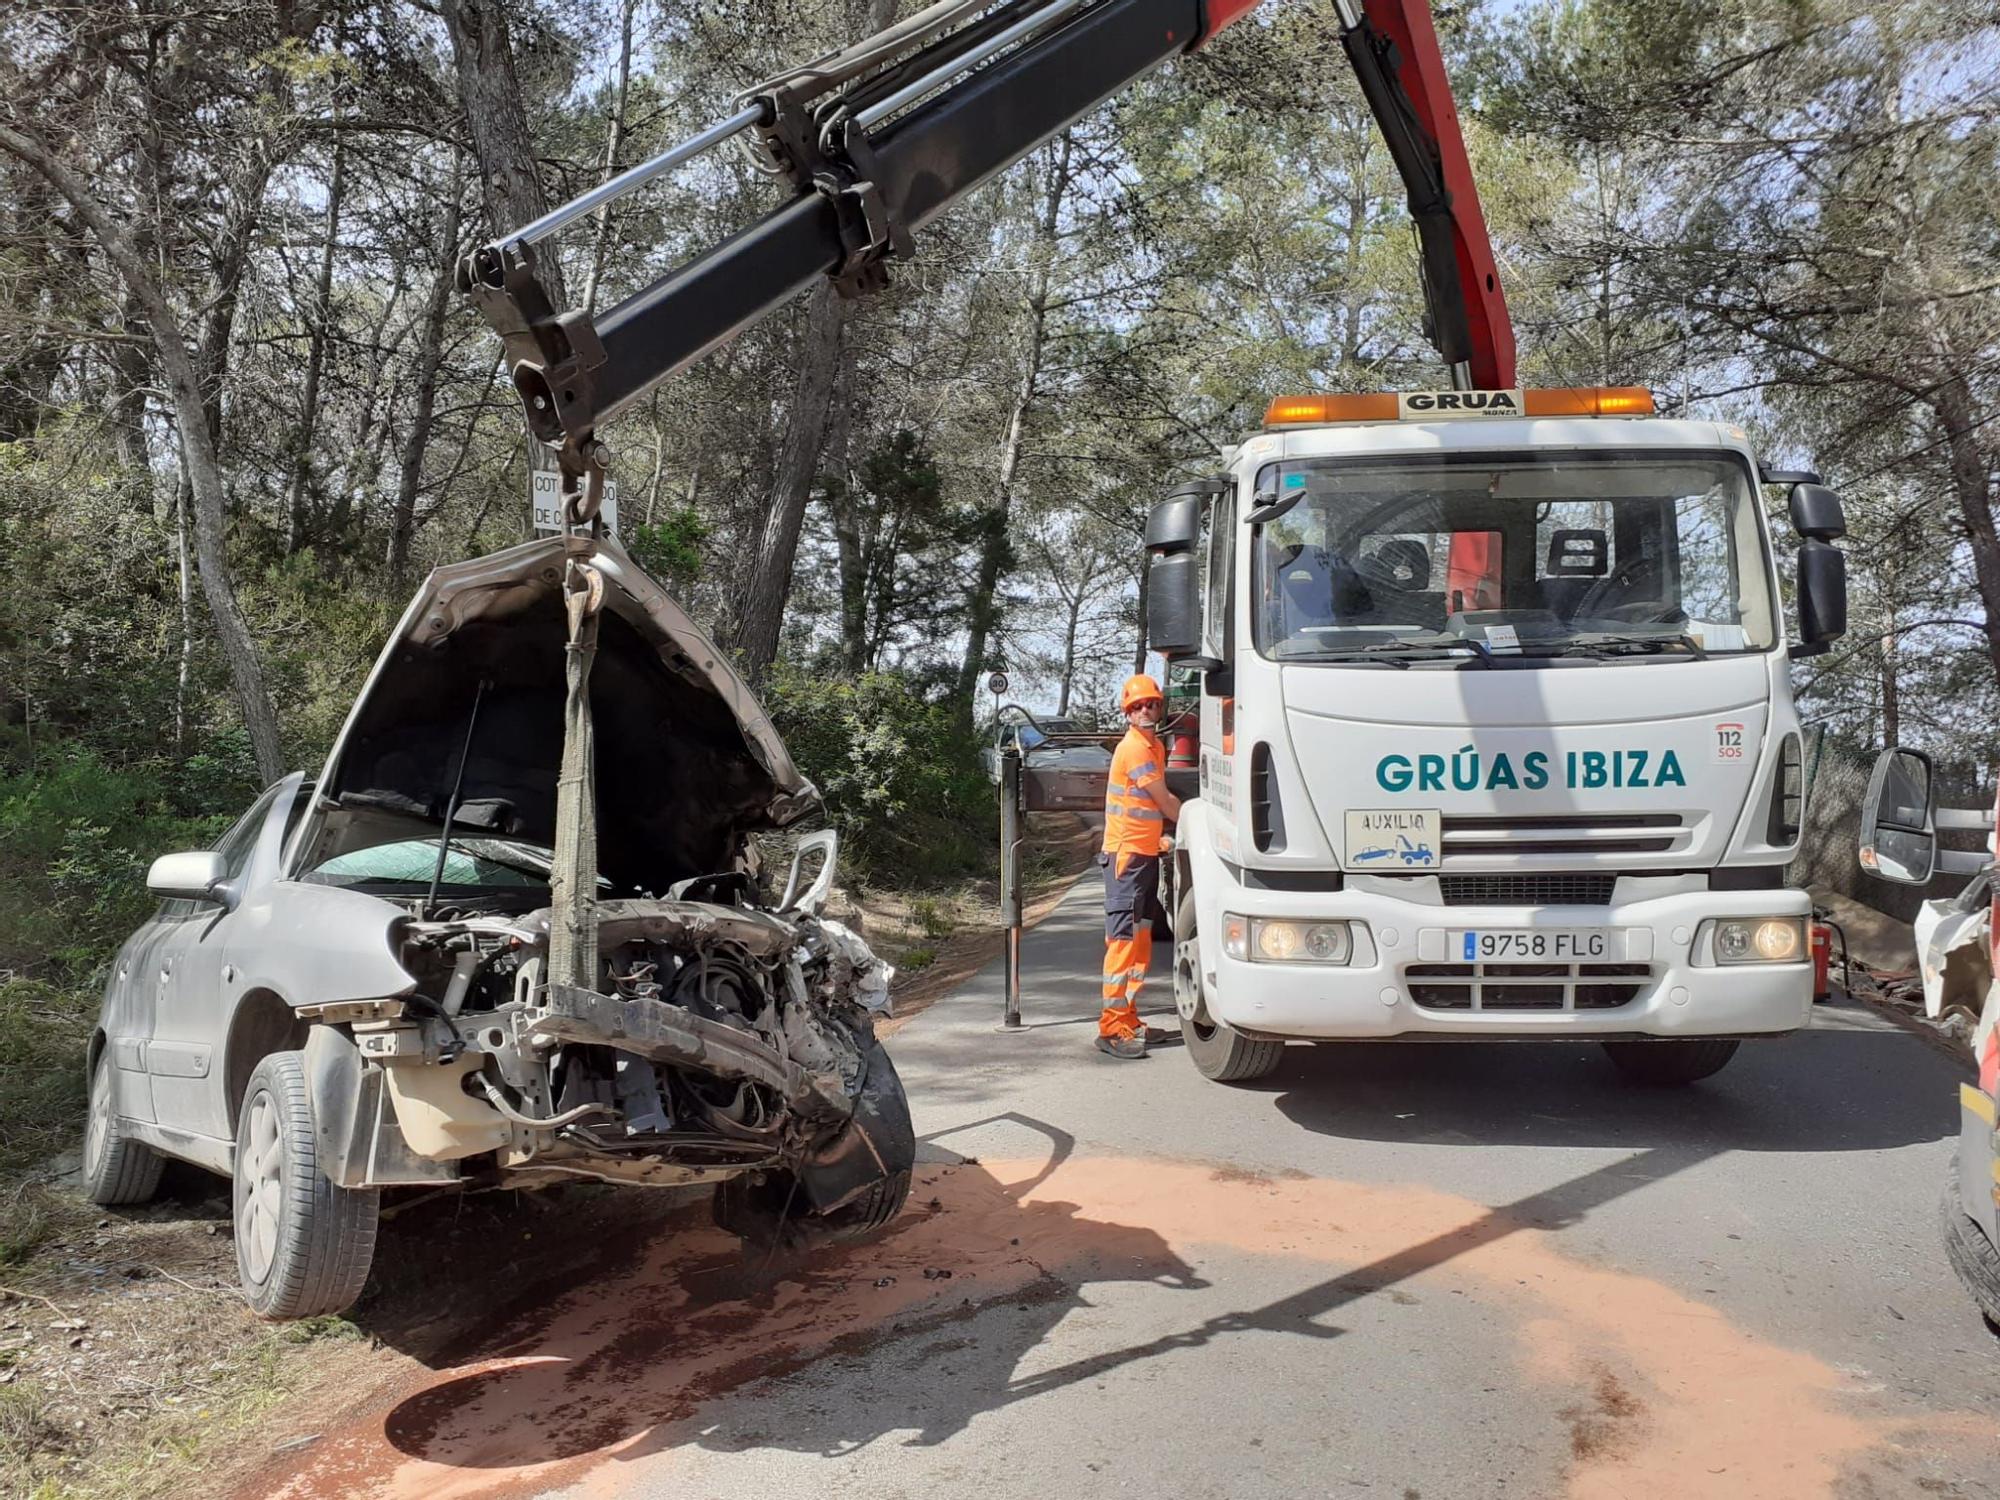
[1669,1395]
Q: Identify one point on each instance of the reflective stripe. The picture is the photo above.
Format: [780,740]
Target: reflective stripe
[1977,1101]
[1137,814]
[1144,769]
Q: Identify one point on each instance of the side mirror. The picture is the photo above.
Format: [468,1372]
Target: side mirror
[192,876]
[1173,570]
[1822,596]
[808,897]
[1899,819]
[1817,513]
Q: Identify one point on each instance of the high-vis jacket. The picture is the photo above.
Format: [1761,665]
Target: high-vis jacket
[1133,822]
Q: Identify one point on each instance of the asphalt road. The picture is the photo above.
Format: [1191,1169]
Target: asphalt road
[1413,1271]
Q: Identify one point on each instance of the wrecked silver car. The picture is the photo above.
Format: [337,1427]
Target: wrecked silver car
[428,969]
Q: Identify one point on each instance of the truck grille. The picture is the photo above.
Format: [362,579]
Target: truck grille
[1480,987]
[1555,888]
[1587,833]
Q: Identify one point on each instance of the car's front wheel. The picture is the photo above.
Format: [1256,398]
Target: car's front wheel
[116,1168]
[303,1245]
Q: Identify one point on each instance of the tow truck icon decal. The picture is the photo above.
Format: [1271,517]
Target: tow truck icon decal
[1409,853]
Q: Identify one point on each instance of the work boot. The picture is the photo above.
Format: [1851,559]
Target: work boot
[1155,1035]
[1122,1046]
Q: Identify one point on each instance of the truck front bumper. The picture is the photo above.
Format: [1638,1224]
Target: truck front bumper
[1401,979]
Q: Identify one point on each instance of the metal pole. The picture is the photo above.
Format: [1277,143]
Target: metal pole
[1010,878]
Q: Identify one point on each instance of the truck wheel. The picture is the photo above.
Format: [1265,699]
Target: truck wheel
[1669,1063]
[303,1246]
[1219,1053]
[116,1168]
[1970,1252]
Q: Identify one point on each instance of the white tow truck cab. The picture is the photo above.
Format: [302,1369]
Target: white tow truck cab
[1496,729]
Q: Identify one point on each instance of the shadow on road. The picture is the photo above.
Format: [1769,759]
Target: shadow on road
[1845,1087]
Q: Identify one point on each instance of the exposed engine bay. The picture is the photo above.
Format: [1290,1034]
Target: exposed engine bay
[721,1040]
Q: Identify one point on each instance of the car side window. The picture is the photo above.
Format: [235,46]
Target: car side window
[237,845]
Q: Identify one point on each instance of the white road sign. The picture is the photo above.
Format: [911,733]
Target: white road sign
[545,494]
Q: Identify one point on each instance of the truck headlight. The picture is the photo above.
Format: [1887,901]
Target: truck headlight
[1755,940]
[1281,941]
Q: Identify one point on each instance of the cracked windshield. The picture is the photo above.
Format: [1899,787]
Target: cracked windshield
[1578,557]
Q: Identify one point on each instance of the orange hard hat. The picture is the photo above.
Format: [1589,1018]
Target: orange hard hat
[1139,688]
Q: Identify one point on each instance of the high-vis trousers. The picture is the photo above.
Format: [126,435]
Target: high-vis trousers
[1131,897]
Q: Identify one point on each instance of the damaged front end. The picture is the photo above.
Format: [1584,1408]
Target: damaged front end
[718,1041]
[639,1017]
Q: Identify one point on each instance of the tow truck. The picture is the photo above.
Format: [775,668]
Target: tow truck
[1534,631]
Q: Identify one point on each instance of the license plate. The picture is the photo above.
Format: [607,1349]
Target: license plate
[1548,944]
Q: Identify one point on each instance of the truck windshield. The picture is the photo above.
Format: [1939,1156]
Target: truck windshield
[1592,553]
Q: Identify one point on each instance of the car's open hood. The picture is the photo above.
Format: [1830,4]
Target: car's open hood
[687,761]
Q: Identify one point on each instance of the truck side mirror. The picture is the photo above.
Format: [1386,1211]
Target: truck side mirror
[1173,578]
[1899,819]
[1822,596]
[1817,513]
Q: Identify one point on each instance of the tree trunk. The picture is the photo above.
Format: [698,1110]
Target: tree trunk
[403,516]
[1069,648]
[309,403]
[490,94]
[981,615]
[204,472]
[1139,651]
[1971,486]
[755,637]
[601,241]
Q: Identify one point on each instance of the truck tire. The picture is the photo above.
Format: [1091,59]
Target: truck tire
[303,1245]
[116,1168]
[1667,1064]
[1970,1252]
[1220,1054]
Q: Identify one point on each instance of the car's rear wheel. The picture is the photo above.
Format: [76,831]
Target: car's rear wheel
[303,1245]
[1666,1064]
[1219,1053]
[1972,1255]
[116,1168]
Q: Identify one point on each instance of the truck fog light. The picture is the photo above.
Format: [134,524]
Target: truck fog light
[1754,940]
[1326,942]
[1777,941]
[1236,936]
[1278,940]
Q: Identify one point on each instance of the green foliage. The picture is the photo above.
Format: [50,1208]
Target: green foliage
[670,548]
[931,918]
[900,775]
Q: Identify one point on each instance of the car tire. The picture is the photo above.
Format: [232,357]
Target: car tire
[1220,1054]
[1972,1255]
[116,1168]
[1670,1064]
[303,1245]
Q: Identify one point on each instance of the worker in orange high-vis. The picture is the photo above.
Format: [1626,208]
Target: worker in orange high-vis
[1137,809]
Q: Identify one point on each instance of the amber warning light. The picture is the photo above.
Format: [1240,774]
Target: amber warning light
[1433,406]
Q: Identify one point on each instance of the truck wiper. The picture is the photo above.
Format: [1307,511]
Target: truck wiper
[1619,645]
[1480,650]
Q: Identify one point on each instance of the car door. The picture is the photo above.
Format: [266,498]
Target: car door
[190,1022]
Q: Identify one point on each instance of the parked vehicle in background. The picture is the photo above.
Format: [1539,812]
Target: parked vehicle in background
[349,992]
[1958,955]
